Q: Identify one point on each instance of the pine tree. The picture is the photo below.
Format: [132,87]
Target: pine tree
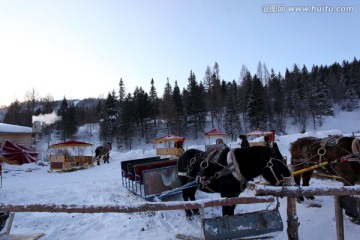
[232,122]
[276,101]
[66,128]
[142,107]
[108,123]
[122,91]
[208,85]
[256,108]
[320,104]
[179,120]
[195,105]
[216,98]
[336,83]
[13,114]
[167,107]
[154,105]
[244,92]
[126,128]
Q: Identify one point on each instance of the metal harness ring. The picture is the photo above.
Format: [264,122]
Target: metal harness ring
[321,153]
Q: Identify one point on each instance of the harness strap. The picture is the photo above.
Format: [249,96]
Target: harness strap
[237,174]
[183,174]
[353,157]
[209,156]
[270,166]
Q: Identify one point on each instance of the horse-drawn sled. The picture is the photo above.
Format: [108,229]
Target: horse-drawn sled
[70,155]
[149,177]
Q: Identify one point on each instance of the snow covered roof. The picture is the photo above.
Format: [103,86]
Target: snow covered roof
[71,144]
[215,132]
[258,133]
[9,128]
[168,138]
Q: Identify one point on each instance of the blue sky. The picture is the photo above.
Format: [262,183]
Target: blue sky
[81,48]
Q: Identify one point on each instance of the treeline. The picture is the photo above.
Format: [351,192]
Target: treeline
[265,100]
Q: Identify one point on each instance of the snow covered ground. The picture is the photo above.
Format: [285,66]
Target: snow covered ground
[101,185]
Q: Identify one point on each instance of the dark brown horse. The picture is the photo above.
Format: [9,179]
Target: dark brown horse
[103,152]
[227,171]
[307,152]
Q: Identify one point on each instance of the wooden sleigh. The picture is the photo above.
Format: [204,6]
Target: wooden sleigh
[251,225]
[149,177]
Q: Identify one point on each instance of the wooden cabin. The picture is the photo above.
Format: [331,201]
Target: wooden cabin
[19,134]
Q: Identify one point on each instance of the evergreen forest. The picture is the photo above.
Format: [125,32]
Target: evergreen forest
[266,100]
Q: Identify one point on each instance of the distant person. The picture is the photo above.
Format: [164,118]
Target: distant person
[272,136]
[267,141]
[179,143]
[219,141]
[244,141]
[273,148]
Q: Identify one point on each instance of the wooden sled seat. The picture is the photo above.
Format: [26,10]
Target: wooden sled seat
[130,165]
[139,168]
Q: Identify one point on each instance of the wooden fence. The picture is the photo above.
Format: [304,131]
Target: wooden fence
[293,192]
[264,194]
[142,207]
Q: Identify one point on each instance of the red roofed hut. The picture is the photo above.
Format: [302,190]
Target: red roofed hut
[256,138]
[215,133]
[172,145]
[69,155]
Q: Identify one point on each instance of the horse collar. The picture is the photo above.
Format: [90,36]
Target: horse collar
[231,160]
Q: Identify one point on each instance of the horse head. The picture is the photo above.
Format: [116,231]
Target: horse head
[259,160]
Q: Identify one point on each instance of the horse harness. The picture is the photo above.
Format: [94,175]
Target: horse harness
[329,141]
[210,157]
[232,167]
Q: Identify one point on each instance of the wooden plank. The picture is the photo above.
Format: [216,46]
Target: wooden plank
[33,236]
[126,162]
[169,151]
[187,237]
[141,207]
[262,144]
[297,191]
[139,168]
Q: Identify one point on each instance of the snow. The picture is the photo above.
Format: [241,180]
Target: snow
[101,185]
[9,128]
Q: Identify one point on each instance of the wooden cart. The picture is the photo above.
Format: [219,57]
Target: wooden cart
[256,138]
[169,145]
[69,155]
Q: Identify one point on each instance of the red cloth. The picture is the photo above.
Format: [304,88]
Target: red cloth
[272,137]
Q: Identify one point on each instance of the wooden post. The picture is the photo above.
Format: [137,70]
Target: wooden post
[339,219]
[292,219]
